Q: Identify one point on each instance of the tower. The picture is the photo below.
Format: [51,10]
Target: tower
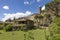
[39,10]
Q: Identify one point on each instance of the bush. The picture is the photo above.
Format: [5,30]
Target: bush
[54,29]
[8,27]
[1,27]
[56,37]
[0,32]
[23,28]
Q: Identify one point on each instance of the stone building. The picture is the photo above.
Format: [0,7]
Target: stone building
[19,23]
[30,22]
[23,23]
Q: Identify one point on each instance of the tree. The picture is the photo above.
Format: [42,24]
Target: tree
[56,0]
[54,29]
[53,7]
[56,37]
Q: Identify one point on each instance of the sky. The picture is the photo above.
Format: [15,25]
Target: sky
[20,8]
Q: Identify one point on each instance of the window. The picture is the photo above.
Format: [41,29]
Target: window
[22,22]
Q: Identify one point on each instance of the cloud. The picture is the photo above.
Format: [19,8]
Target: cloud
[43,8]
[16,15]
[6,7]
[38,0]
[32,2]
[26,2]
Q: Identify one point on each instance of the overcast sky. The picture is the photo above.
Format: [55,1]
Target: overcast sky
[19,8]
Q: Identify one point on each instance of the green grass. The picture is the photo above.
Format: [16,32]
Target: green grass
[38,34]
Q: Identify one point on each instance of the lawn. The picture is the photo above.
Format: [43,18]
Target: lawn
[37,34]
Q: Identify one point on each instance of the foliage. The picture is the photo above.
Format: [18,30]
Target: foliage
[56,37]
[54,1]
[57,0]
[47,15]
[8,27]
[53,7]
[54,29]
[38,34]
[23,28]
[57,21]
[1,26]
[38,16]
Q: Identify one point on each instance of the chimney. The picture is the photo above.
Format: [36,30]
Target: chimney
[39,10]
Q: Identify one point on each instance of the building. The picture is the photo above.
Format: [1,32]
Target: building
[23,23]
[30,22]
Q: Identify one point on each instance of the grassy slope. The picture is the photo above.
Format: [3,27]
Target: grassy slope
[19,35]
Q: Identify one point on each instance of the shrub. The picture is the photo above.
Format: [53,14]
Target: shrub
[23,28]
[8,27]
[56,37]
[0,32]
[54,29]
[1,27]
